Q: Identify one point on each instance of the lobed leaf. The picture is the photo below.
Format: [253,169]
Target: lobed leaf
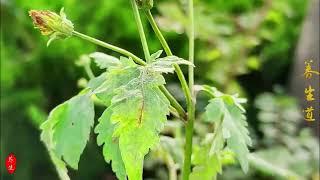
[226,113]
[104,86]
[136,114]
[235,123]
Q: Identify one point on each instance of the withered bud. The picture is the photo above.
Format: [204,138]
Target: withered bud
[50,23]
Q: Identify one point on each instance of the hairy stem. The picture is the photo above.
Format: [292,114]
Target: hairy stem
[172,100]
[191,107]
[141,31]
[166,48]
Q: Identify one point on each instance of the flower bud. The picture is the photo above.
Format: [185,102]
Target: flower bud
[50,23]
[145,4]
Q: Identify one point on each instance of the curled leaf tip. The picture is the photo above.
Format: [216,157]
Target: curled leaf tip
[51,24]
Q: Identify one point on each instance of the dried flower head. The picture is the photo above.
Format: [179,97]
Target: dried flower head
[50,23]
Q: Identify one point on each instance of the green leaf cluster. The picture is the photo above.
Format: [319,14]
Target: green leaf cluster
[136,113]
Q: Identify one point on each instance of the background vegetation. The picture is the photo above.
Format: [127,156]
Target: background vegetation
[243,46]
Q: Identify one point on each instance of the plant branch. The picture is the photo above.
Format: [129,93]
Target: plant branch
[191,107]
[172,100]
[158,33]
[166,48]
[110,46]
[141,31]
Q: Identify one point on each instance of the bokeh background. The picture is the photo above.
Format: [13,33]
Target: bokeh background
[251,47]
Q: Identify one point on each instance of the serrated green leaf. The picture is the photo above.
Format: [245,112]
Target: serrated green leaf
[226,113]
[138,112]
[217,142]
[67,129]
[104,86]
[235,122]
[104,60]
[165,65]
[139,127]
[111,151]
[214,110]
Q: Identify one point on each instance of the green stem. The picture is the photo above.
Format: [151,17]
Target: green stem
[166,48]
[141,31]
[147,54]
[172,100]
[158,33]
[109,46]
[191,107]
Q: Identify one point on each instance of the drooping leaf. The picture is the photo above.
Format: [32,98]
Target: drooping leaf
[46,137]
[104,60]
[235,123]
[111,151]
[67,129]
[226,112]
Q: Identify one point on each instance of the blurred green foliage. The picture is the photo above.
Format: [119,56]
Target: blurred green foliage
[242,46]
[239,37]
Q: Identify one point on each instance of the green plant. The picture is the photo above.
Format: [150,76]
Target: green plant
[138,105]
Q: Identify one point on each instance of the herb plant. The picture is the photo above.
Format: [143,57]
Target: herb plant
[138,106]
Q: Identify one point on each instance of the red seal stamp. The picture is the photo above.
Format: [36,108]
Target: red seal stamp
[11,163]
